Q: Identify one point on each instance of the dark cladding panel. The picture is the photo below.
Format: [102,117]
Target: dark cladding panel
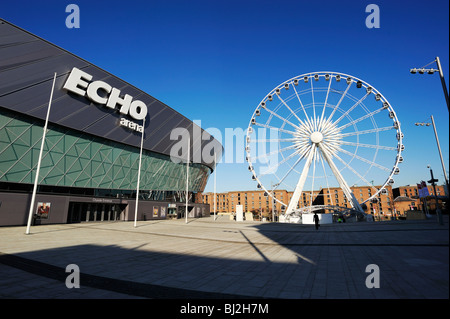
[8,30]
[160,138]
[158,122]
[83,117]
[33,97]
[163,140]
[34,73]
[108,124]
[30,52]
[117,132]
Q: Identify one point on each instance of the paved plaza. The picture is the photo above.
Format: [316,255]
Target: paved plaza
[227,259]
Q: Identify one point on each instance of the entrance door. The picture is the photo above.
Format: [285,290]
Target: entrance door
[94,212]
[74,215]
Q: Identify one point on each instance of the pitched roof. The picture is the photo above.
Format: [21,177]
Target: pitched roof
[403,199]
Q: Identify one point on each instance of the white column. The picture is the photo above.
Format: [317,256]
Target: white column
[301,182]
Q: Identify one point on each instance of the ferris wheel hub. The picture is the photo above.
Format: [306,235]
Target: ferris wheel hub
[316,137]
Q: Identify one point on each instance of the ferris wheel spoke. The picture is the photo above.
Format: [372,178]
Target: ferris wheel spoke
[340,100]
[304,149]
[355,172]
[275,128]
[306,127]
[269,171]
[362,118]
[288,107]
[380,147]
[290,170]
[314,106]
[274,152]
[326,100]
[366,160]
[329,129]
[281,118]
[342,183]
[375,130]
[303,108]
[351,108]
[330,148]
[264,140]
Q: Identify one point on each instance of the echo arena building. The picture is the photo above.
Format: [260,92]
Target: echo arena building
[90,158]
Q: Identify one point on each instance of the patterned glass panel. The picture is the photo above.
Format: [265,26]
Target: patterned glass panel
[77,159]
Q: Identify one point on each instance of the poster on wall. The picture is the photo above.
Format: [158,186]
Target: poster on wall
[163,212]
[155,211]
[43,209]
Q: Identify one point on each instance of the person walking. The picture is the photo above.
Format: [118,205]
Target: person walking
[316,220]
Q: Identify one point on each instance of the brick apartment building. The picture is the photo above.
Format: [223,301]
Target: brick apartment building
[391,202]
[411,192]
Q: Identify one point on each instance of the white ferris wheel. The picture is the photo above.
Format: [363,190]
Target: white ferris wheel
[324,130]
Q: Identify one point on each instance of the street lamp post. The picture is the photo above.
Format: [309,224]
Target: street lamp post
[433,181]
[444,86]
[38,167]
[422,70]
[273,200]
[439,148]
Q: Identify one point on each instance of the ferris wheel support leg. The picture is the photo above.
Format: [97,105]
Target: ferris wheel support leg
[347,191]
[299,188]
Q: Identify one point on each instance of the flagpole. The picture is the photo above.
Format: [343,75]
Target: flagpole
[33,196]
[139,175]
[215,173]
[187,177]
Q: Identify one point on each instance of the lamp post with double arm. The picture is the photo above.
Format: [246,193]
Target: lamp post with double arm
[422,70]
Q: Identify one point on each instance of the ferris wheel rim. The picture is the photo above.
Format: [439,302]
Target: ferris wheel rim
[331,74]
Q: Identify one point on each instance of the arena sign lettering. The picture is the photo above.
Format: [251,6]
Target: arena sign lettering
[79,83]
[131,125]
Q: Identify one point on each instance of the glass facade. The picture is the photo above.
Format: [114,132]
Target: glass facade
[80,160]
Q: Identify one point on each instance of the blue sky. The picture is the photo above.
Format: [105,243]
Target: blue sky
[214,61]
